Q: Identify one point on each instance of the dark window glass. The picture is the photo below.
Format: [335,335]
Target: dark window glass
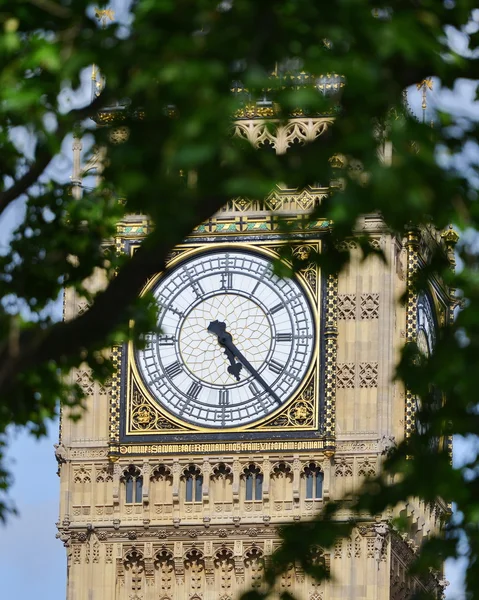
[258,487]
[309,485]
[189,489]
[319,485]
[249,486]
[138,489]
[129,489]
[199,488]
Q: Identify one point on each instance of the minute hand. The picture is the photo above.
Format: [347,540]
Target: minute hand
[244,361]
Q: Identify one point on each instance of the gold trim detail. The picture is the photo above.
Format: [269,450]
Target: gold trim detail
[115,391]
[331,336]
[234,447]
[293,201]
[301,412]
[412,246]
[144,416]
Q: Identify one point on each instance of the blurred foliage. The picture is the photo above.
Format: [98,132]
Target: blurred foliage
[170,67]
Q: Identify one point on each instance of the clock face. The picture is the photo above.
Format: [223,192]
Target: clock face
[236,340]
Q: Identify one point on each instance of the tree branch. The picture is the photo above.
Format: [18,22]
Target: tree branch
[64,340]
[45,153]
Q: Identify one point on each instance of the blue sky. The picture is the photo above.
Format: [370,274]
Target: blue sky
[33,562]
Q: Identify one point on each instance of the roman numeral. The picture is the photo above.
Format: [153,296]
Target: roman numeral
[276,367]
[284,337]
[276,308]
[194,390]
[224,397]
[166,340]
[176,311]
[254,388]
[173,370]
[199,291]
[226,280]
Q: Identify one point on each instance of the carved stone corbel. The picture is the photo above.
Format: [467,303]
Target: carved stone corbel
[146,471]
[176,482]
[236,480]
[296,479]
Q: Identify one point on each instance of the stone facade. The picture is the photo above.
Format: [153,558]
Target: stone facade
[181,517]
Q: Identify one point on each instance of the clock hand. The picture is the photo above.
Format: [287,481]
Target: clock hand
[225,339]
[219,329]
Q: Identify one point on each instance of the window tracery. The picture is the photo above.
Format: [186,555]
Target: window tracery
[161,488]
[194,570]
[254,566]
[193,480]
[134,570]
[282,485]
[313,477]
[221,489]
[224,566]
[253,482]
[133,482]
[164,566]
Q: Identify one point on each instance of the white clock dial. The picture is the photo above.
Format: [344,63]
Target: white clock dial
[268,321]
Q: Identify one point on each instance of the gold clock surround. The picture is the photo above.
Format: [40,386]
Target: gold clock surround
[146,420]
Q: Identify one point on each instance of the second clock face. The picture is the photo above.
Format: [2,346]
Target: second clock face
[243,367]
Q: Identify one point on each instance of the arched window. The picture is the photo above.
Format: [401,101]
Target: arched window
[161,487]
[133,485]
[282,485]
[314,482]
[221,489]
[193,484]
[253,483]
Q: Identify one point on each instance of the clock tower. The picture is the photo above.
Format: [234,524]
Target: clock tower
[261,399]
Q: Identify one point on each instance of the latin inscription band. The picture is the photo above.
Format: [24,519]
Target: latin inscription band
[222,447]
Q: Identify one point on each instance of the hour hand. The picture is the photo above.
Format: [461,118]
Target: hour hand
[224,338]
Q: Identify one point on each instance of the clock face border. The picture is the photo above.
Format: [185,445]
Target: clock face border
[289,419]
[200,281]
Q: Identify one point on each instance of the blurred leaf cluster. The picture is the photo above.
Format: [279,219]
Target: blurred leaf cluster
[170,67]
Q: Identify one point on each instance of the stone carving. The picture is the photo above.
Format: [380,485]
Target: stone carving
[368,374]
[86,382]
[343,468]
[82,475]
[254,563]
[345,375]
[369,306]
[381,530]
[260,133]
[387,444]
[224,563]
[195,567]
[357,546]
[346,306]
[367,468]
[82,307]
[96,552]
[134,564]
[60,453]
[164,564]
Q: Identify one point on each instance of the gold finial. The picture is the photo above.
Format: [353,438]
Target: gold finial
[104,14]
[450,236]
[424,85]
